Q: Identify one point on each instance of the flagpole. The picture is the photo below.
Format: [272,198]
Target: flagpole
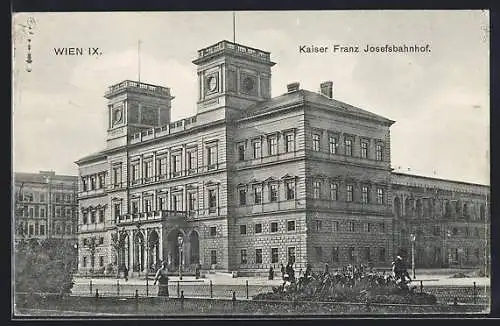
[234,27]
[139,60]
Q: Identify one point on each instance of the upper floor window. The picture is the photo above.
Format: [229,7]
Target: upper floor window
[162,203]
[256,149]
[291,225]
[117,210]
[161,166]
[290,190]
[318,225]
[378,152]
[257,192]
[380,196]
[274,226]
[176,163]
[349,189]
[273,145]
[212,155]
[243,229]
[212,200]
[348,147]
[147,204]
[289,143]
[352,226]
[315,142]
[84,185]
[135,172]
[85,218]
[364,149]
[177,202]
[191,160]
[241,152]
[135,206]
[148,169]
[364,194]
[100,181]
[316,189]
[117,176]
[213,231]
[258,228]
[192,201]
[92,182]
[333,144]
[334,191]
[42,197]
[273,192]
[243,196]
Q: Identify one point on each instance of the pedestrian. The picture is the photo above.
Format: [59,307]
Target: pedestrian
[162,278]
[283,272]
[326,269]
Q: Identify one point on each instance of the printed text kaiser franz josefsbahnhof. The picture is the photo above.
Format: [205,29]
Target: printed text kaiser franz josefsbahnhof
[364,49]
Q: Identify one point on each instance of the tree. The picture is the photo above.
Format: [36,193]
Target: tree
[116,244]
[45,266]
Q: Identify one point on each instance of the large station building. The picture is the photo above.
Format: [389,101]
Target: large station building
[253,181]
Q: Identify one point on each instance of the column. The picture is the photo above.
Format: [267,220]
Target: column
[153,171]
[160,244]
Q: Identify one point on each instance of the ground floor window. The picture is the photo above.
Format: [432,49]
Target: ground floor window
[258,256]
[335,254]
[84,263]
[213,257]
[274,255]
[291,254]
[381,254]
[101,261]
[243,256]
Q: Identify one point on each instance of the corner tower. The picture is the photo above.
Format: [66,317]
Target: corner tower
[233,76]
[133,107]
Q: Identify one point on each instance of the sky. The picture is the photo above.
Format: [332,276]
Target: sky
[439,99]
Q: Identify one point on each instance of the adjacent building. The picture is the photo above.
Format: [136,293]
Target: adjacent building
[247,183]
[45,206]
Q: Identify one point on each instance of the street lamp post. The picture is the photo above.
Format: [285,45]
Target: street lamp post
[413,238]
[180,240]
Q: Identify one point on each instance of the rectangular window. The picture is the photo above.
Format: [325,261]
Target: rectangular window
[84,263]
[273,145]
[291,254]
[42,229]
[31,229]
[258,228]
[274,227]
[92,183]
[273,192]
[364,194]
[161,166]
[177,202]
[289,143]
[335,226]
[381,254]
[176,164]
[316,142]
[101,240]
[350,254]
[148,169]
[243,256]
[92,217]
[147,205]
[212,201]
[213,231]
[192,201]
[100,182]
[42,197]
[332,140]
[191,160]
[364,149]
[162,203]
[257,192]
[243,229]
[243,196]
[335,254]
[291,225]
[382,227]
[290,190]
[135,172]
[101,216]
[69,213]
[84,218]
[32,212]
[274,255]
[318,225]
[135,206]
[213,257]
[352,227]
[68,196]
[256,149]
[367,254]
[117,176]
[258,256]
[117,210]
[101,261]
[348,147]
[334,192]
[378,152]
[42,212]
[241,152]
[212,156]
[316,189]
[319,253]
[349,193]
[380,196]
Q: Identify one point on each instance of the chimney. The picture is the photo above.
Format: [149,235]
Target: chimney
[327,89]
[292,87]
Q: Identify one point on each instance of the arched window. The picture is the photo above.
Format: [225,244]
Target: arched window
[447,208]
[419,208]
[397,207]
[466,210]
[458,208]
[482,212]
[407,207]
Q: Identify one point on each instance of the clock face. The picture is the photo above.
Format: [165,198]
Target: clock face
[117,115]
[248,84]
[212,83]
